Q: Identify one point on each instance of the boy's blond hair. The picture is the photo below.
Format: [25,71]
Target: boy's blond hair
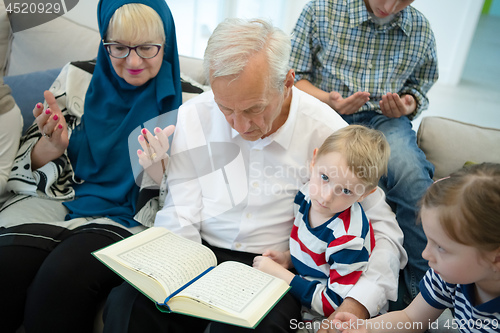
[365,150]
[133,21]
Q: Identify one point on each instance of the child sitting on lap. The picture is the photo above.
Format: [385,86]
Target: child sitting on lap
[331,238]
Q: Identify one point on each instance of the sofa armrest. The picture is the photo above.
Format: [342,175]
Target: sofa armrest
[448,144]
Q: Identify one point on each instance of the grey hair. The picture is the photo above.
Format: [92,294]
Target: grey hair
[235,40]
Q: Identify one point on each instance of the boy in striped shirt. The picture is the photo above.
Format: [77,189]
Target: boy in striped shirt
[331,238]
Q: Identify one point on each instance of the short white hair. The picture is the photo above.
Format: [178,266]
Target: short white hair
[235,40]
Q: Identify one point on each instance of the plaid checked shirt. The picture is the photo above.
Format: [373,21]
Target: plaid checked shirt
[337,47]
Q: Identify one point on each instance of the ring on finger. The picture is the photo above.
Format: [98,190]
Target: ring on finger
[46,135]
[153,156]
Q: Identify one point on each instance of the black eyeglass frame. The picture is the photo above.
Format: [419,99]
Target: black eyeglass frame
[130,48]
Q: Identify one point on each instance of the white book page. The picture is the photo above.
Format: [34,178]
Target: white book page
[231,286]
[170,259]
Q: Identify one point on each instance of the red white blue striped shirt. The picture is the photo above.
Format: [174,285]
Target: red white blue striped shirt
[468,317]
[328,258]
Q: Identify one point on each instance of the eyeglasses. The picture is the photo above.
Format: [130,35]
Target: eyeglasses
[120,51]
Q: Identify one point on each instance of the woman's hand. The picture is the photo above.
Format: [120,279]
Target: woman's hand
[52,125]
[155,149]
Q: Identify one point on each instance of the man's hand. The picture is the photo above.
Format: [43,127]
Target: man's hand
[349,305]
[349,105]
[394,106]
[343,106]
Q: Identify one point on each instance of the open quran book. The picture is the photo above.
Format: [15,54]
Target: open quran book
[182,276]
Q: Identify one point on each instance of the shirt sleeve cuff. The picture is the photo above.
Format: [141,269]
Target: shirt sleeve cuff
[421,100]
[298,285]
[370,295]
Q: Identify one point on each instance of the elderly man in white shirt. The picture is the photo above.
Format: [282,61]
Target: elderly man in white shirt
[239,155]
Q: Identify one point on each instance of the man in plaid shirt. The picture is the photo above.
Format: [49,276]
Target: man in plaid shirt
[373,62]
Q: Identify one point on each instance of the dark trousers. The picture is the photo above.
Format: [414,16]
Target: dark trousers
[54,290]
[127,310]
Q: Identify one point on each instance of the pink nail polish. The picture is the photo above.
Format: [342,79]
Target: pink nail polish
[141,138]
[47,111]
[56,117]
[139,152]
[38,105]
[144,131]
[157,130]
[59,126]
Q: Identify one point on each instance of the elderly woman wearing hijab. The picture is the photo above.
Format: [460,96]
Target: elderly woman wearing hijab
[73,174]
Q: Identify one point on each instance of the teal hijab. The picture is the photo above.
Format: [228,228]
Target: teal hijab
[98,147]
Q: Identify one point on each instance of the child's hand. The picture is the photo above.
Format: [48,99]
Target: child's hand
[282,258]
[346,322]
[348,105]
[267,265]
[154,147]
[394,106]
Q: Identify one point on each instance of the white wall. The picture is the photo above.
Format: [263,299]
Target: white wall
[85,13]
[453,23]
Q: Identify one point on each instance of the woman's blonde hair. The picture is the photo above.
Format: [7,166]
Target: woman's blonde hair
[469,205]
[365,150]
[132,22]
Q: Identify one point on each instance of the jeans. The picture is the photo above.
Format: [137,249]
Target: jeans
[409,175]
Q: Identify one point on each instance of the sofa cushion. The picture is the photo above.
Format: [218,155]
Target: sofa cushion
[449,144]
[27,90]
[193,68]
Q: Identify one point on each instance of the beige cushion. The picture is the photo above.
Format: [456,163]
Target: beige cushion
[52,45]
[448,144]
[5,38]
[193,67]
